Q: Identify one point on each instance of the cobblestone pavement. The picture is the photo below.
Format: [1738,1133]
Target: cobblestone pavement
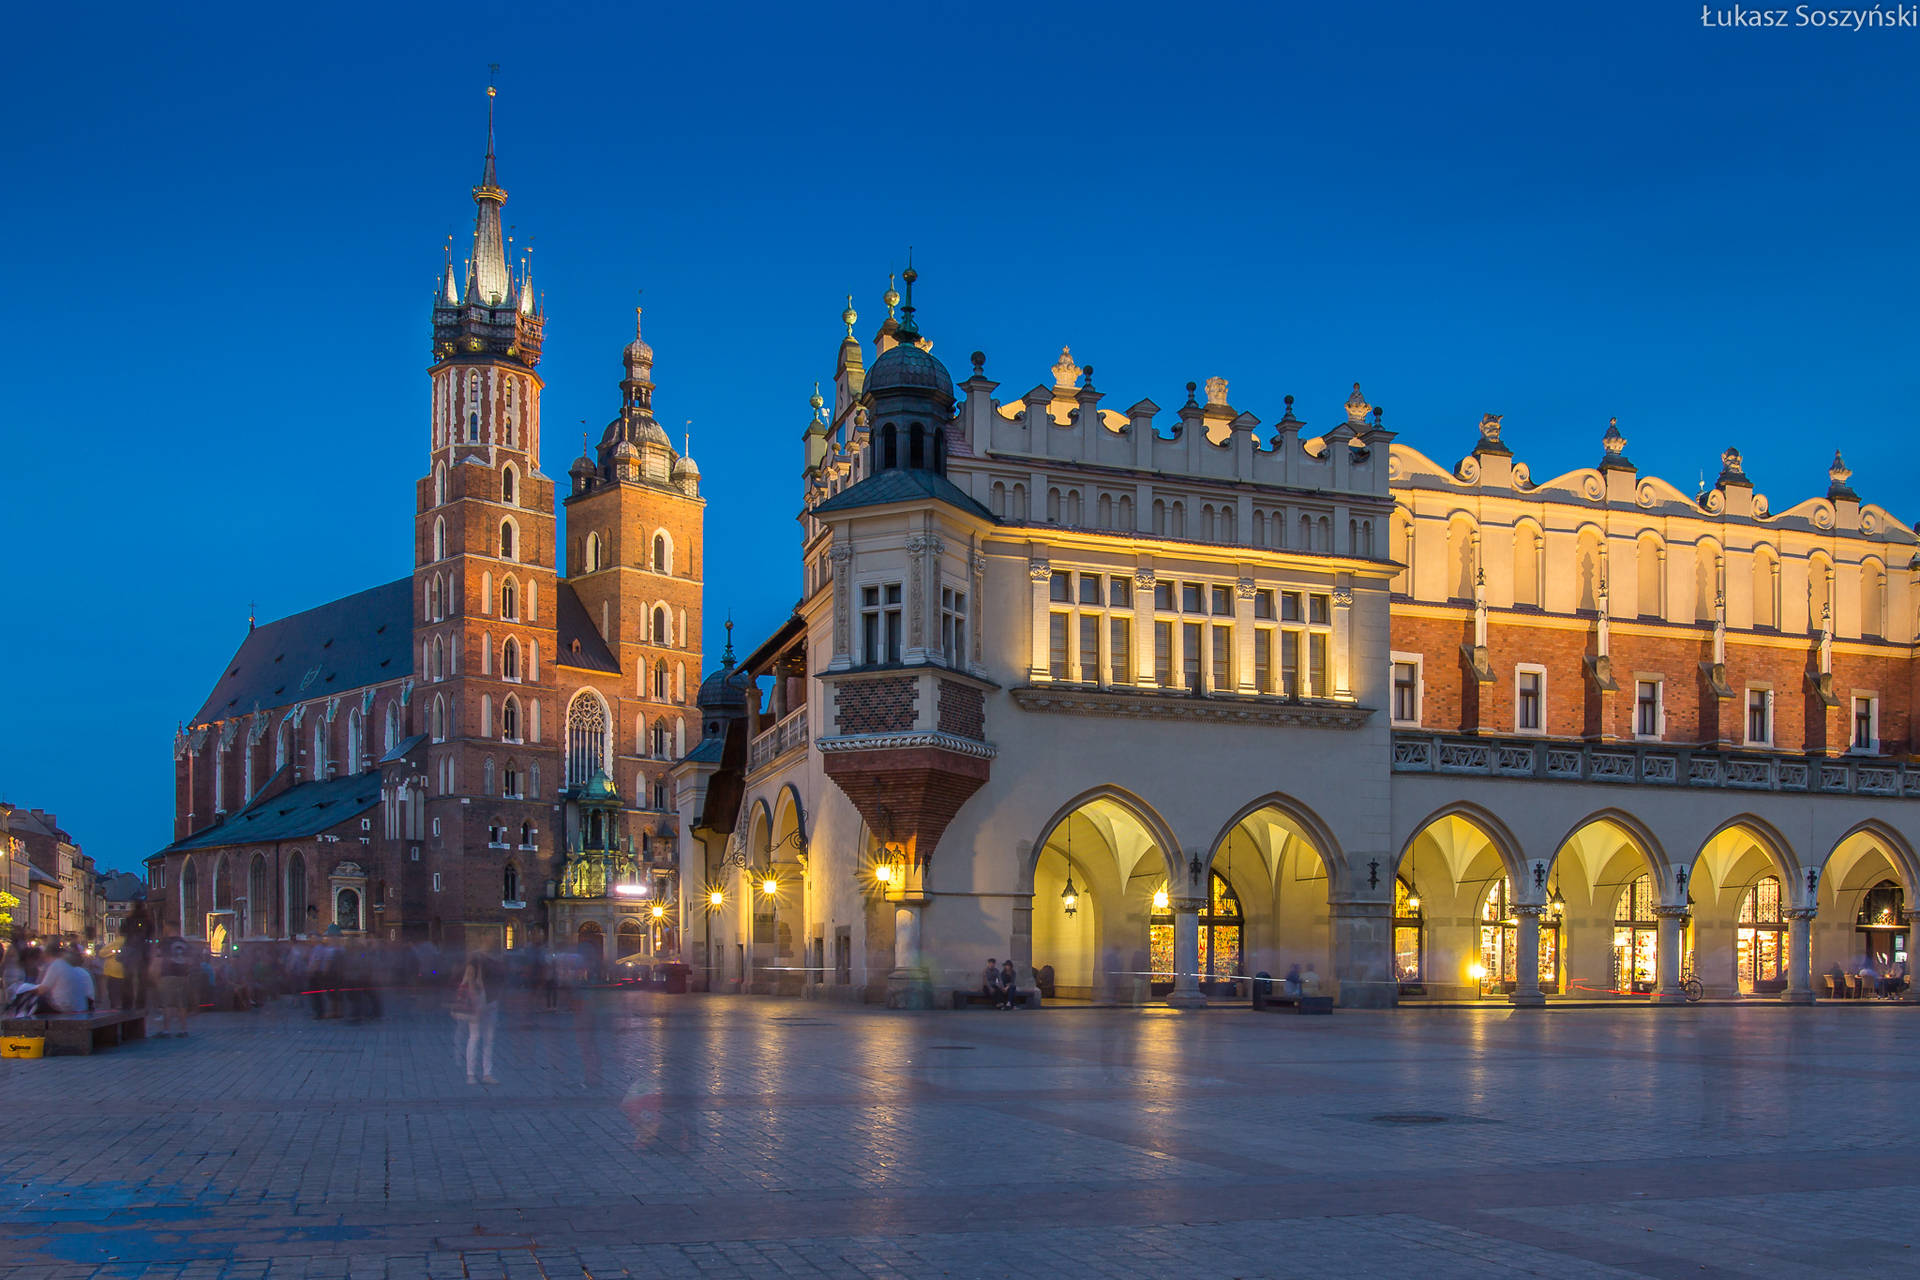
[704,1136]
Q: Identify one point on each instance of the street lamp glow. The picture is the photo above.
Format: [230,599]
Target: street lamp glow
[1160,899]
[769,886]
[883,872]
[715,898]
[1477,972]
[659,911]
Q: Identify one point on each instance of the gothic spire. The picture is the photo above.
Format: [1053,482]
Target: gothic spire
[487,281]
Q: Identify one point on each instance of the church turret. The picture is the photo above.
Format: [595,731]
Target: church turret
[487,319]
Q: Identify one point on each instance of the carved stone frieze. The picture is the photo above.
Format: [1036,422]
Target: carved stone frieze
[1145,705]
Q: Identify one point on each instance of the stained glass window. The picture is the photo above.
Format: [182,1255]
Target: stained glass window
[1636,938]
[1760,940]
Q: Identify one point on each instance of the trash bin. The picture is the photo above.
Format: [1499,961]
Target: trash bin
[676,976]
[1262,989]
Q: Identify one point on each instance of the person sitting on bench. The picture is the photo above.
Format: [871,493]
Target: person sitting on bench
[1008,989]
[990,981]
[66,986]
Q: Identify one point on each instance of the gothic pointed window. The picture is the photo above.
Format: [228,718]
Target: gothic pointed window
[507,486]
[586,737]
[296,894]
[660,685]
[511,883]
[509,600]
[510,659]
[662,558]
[440,539]
[506,539]
[662,627]
[510,719]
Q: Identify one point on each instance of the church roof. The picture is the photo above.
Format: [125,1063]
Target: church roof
[906,485]
[305,810]
[357,640]
[573,623]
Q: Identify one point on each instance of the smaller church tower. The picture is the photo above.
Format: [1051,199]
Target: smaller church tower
[635,559]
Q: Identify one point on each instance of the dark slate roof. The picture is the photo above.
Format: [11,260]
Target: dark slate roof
[352,642]
[707,751]
[904,485]
[305,810]
[401,748]
[572,622]
[123,886]
[769,648]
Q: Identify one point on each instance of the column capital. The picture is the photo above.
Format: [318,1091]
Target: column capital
[1801,913]
[1187,904]
[1535,909]
[1666,912]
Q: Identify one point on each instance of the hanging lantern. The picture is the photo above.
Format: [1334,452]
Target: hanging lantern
[1069,896]
[1160,898]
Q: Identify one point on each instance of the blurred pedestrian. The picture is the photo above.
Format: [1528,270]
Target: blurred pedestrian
[476,1003]
[173,981]
[65,986]
[136,934]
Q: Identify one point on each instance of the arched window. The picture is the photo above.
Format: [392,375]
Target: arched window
[296,894]
[662,555]
[533,770]
[354,762]
[438,726]
[506,539]
[510,719]
[510,787]
[662,740]
[222,884]
[1018,509]
[258,920]
[346,910]
[1499,941]
[1160,515]
[1220,924]
[509,600]
[392,738]
[439,658]
[1636,937]
[917,447]
[660,685]
[282,745]
[533,601]
[507,485]
[510,659]
[439,484]
[486,777]
[318,760]
[662,627]
[594,556]
[440,538]
[889,448]
[1760,942]
[191,918]
[510,883]
[1819,594]
[586,738]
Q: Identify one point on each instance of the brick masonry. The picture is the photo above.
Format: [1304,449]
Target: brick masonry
[875,706]
[963,710]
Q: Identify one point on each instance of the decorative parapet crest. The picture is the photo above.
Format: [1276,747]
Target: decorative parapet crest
[1064,699]
[1649,765]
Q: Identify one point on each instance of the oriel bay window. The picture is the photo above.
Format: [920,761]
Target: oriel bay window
[1500,940]
[880,617]
[1760,941]
[953,625]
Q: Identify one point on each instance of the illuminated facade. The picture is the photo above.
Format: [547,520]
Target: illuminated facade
[1169,700]
[411,762]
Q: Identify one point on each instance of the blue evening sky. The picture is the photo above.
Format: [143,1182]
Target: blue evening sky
[223,223]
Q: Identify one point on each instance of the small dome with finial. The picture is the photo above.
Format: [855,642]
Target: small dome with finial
[906,366]
[638,353]
[725,689]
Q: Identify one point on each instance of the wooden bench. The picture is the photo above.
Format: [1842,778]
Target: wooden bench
[964,998]
[80,1032]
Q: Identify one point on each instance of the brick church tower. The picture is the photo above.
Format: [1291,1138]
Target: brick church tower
[485,603]
[634,557]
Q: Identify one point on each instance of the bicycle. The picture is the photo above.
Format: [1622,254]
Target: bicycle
[1690,988]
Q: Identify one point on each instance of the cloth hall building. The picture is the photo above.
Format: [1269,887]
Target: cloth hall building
[480,749]
[1151,702]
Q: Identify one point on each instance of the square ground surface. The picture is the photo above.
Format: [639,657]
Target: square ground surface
[644,1134]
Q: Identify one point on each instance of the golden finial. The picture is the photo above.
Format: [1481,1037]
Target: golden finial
[891,297]
[848,316]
